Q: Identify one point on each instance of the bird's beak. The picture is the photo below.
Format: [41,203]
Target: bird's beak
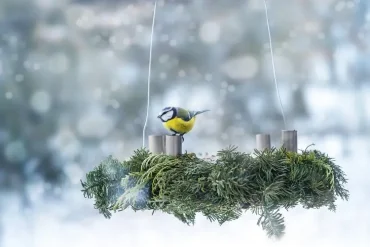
[159,116]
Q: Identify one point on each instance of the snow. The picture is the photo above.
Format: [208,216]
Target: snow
[210,32]
[41,101]
[94,123]
[15,151]
[243,67]
[8,95]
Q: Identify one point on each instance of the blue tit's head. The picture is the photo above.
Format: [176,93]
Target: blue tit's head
[167,114]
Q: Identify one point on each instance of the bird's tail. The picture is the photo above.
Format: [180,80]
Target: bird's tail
[199,112]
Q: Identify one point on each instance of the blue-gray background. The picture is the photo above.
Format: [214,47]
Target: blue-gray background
[73,84]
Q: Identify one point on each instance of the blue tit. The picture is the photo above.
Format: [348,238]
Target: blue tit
[178,120]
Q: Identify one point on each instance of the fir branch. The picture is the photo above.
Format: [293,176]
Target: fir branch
[272,221]
[103,183]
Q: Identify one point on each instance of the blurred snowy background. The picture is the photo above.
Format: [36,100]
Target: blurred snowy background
[73,90]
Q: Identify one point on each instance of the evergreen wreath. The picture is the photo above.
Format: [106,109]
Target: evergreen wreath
[220,188]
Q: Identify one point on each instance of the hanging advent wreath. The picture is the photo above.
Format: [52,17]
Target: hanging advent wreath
[221,187]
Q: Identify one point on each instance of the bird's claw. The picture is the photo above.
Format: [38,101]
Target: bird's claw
[182,136]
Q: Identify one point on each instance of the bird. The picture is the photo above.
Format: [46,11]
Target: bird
[178,120]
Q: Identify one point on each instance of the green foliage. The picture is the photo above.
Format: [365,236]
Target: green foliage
[219,188]
[104,184]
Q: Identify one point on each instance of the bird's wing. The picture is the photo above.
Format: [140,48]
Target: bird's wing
[184,114]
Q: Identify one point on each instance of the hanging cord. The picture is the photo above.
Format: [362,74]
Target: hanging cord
[273,64]
[149,73]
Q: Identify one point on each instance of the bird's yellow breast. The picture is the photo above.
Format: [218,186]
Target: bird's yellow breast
[179,125]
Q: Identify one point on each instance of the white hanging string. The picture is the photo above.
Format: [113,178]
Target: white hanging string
[149,73]
[273,63]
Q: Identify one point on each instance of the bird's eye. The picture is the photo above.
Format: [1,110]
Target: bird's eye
[167,116]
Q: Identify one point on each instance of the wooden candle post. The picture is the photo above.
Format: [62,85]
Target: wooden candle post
[173,145]
[157,144]
[289,140]
[263,142]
